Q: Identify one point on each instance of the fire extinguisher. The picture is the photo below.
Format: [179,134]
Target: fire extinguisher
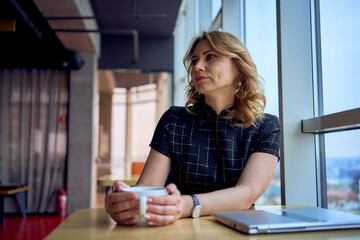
[62,198]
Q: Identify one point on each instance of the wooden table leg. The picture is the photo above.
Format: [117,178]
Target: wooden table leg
[21,202]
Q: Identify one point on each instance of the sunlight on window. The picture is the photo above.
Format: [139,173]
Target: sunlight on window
[118,132]
[143,117]
[215,8]
[340,37]
[260,37]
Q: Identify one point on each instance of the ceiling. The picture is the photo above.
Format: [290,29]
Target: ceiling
[28,46]
[132,38]
[155,18]
[125,33]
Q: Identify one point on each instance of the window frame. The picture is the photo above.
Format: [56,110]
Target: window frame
[322,124]
[303,169]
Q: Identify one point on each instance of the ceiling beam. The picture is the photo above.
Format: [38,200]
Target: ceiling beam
[138,16]
[107,82]
[79,42]
[133,79]
[26,18]
[132,32]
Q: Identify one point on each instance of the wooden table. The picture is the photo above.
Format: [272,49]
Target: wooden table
[108,181]
[18,191]
[96,224]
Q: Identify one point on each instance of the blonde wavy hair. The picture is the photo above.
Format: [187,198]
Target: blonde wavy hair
[250,99]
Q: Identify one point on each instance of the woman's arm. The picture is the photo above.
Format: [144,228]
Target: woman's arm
[253,182]
[156,170]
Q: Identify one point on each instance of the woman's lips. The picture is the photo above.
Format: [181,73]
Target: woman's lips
[200,78]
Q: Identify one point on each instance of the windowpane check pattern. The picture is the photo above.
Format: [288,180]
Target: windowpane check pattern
[207,153]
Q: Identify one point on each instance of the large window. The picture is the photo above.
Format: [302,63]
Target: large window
[143,120]
[340,37]
[118,132]
[143,110]
[340,54]
[260,39]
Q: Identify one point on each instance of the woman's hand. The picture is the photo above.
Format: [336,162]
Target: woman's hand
[122,206]
[166,209]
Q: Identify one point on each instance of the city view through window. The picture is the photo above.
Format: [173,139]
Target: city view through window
[340,49]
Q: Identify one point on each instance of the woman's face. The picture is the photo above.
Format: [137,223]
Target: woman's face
[212,73]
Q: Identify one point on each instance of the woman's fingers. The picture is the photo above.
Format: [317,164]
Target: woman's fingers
[125,216]
[173,198]
[123,206]
[159,220]
[165,200]
[172,189]
[165,209]
[128,222]
[124,212]
[162,209]
[116,197]
[119,186]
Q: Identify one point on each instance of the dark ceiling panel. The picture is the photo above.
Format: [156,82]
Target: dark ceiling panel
[153,22]
[155,53]
[149,18]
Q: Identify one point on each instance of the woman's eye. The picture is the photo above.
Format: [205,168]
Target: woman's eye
[194,61]
[210,56]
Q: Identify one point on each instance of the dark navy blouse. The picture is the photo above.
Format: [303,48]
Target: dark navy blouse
[206,152]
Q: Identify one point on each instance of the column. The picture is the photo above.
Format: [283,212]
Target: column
[83,125]
[298,163]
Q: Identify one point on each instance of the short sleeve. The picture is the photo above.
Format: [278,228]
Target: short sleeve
[270,136]
[160,140]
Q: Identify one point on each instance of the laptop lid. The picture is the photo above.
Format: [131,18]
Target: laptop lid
[287,220]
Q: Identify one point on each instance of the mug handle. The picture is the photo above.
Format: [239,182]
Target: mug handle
[143,201]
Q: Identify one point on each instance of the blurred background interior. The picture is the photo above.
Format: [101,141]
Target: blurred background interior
[84,82]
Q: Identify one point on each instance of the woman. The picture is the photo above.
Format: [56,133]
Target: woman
[221,147]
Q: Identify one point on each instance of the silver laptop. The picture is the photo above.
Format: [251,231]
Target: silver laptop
[287,220]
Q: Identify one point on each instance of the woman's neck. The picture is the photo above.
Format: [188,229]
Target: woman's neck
[220,103]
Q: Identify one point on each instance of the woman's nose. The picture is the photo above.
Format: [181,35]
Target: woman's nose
[199,66]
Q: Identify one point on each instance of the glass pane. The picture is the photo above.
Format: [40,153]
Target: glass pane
[215,8]
[118,132]
[143,115]
[260,32]
[343,170]
[340,37]
[143,103]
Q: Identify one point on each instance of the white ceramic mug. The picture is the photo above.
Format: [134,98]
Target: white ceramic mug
[142,193]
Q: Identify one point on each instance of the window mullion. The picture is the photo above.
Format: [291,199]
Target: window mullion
[321,158]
